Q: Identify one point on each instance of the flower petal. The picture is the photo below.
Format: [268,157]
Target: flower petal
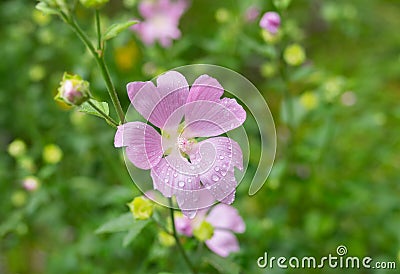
[224,216]
[184,225]
[223,243]
[224,154]
[173,176]
[156,104]
[143,144]
[205,88]
[209,118]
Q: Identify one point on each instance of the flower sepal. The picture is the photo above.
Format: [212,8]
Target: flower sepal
[73,90]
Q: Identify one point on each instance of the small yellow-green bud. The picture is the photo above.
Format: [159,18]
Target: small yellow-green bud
[309,100]
[204,231]
[93,3]
[294,55]
[268,70]
[17,148]
[141,208]
[52,154]
[222,15]
[73,90]
[166,239]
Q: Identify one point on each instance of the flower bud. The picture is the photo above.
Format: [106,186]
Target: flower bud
[73,90]
[52,154]
[271,22]
[294,55]
[309,100]
[141,208]
[204,231]
[93,3]
[17,148]
[31,183]
[166,239]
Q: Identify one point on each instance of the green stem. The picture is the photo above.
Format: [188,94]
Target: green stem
[103,114]
[98,55]
[178,243]
[98,29]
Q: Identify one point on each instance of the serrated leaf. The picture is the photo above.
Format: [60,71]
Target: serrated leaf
[115,29]
[87,108]
[43,7]
[134,231]
[223,265]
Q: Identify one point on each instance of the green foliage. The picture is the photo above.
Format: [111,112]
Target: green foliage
[116,29]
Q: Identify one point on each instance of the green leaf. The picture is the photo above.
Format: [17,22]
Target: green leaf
[87,108]
[222,264]
[43,7]
[123,223]
[134,231]
[115,29]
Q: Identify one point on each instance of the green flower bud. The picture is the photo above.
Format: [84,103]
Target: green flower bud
[294,55]
[166,239]
[309,100]
[52,154]
[73,90]
[141,208]
[93,3]
[17,148]
[204,231]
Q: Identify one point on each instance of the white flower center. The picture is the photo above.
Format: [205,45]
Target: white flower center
[184,144]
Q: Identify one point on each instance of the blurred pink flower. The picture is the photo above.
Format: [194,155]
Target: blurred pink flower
[271,22]
[252,13]
[197,173]
[161,20]
[225,220]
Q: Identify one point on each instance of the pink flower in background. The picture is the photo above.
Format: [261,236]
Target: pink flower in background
[161,20]
[252,13]
[225,220]
[197,172]
[271,22]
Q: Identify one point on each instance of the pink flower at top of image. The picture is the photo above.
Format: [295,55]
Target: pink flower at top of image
[271,22]
[197,172]
[161,21]
[225,221]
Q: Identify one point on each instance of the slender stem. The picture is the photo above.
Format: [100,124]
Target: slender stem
[111,89]
[103,114]
[100,61]
[98,29]
[178,242]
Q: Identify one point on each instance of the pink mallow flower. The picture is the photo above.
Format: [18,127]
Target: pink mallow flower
[161,20]
[225,220]
[198,173]
[271,22]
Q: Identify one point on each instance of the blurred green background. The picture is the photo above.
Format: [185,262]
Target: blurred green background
[336,175]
